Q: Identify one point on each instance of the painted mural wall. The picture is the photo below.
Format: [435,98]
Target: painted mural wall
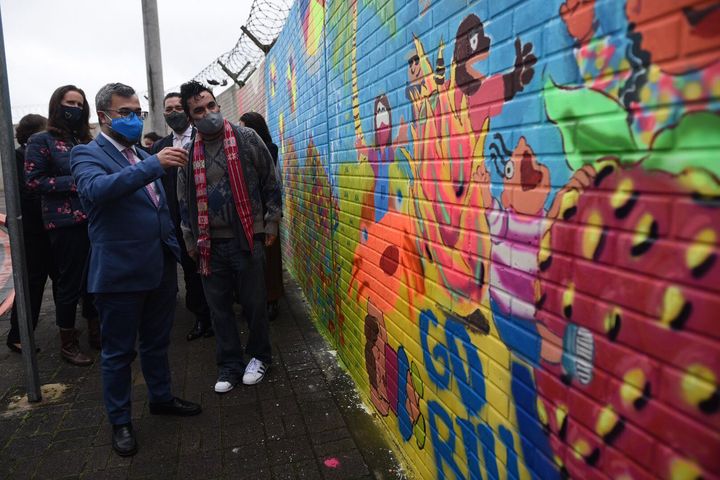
[506,217]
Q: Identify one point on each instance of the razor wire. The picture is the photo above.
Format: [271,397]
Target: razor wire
[265,22]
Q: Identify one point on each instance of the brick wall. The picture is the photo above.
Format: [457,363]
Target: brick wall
[505,216]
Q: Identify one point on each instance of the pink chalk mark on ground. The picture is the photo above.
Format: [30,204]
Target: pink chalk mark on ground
[332,462]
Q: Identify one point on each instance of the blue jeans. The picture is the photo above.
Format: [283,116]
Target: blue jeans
[234,268]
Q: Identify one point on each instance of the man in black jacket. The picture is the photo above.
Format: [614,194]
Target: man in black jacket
[181,136]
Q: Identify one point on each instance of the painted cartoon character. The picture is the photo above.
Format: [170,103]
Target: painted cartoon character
[658,75]
[451,120]
[380,155]
[655,337]
[485,96]
[517,224]
[385,269]
[309,215]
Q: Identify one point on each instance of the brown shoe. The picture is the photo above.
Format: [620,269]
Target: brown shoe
[70,348]
[94,337]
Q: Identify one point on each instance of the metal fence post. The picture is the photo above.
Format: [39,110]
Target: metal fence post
[14,222]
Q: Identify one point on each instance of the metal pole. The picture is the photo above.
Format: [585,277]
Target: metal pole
[153,62]
[14,222]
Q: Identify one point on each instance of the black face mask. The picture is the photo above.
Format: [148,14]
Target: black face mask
[178,121]
[71,115]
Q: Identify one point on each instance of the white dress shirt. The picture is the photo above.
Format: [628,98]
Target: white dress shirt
[182,140]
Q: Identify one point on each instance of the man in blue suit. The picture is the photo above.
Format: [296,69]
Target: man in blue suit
[133,260]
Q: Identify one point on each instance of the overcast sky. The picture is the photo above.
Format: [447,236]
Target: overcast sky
[89,43]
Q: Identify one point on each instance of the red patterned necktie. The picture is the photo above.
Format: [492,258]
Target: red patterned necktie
[130,155]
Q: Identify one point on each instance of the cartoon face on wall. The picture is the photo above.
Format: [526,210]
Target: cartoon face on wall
[526,182]
[579,16]
[694,30]
[383,122]
[471,47]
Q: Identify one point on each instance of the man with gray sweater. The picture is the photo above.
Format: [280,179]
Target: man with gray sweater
[230,206]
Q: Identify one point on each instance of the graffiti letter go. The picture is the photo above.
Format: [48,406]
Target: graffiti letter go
[471,383]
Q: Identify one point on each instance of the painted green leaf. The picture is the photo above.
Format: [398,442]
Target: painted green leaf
[592,124]
[693,142]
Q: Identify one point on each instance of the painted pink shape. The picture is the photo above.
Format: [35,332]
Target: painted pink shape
[332,462]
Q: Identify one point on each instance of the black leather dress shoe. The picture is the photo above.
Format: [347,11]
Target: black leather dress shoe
[123,440]
[176,406]
[197,331]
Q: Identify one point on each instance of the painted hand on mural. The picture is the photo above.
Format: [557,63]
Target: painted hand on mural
[523,70]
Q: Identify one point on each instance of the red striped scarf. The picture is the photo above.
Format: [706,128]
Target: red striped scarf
[239,193]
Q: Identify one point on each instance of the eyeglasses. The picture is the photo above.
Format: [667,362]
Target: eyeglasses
[126,112]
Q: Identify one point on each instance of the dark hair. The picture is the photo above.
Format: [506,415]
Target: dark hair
[190,90]
[172,95]
[152,136]
[471,25]
[103,99]
[28,125]
[56,121]
[256,121]
[639,60]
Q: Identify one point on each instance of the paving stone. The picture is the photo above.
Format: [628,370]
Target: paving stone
[246,460]
[205,465]
[195,440]
[75,433]
[83,417]
[289,450]
[338,446]
[308,470]
[70,444]
[27,446]
[294,425]
[55,464]
[145,464]
[284,427]
[120,473]
[350,466]
[22,468]
[283,472]
[329,435]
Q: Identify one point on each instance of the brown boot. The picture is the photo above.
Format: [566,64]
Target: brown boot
[70,348]
[94,338]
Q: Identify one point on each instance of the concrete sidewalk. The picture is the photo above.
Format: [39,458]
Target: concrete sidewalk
[305,420]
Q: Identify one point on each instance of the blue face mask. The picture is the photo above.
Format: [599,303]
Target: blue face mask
[130,127]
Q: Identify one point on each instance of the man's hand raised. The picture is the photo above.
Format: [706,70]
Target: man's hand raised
[172,157]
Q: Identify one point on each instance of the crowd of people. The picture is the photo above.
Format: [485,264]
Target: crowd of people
[108,219]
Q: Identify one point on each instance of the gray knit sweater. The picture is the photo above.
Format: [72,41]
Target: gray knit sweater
[262,186]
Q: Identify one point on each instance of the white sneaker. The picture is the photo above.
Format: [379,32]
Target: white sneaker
[254,372]
[223,386]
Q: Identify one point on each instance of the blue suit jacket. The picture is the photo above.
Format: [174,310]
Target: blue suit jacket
[128,233]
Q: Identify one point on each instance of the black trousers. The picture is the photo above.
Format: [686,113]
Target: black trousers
[70,247]
[40,267]
[194,294]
